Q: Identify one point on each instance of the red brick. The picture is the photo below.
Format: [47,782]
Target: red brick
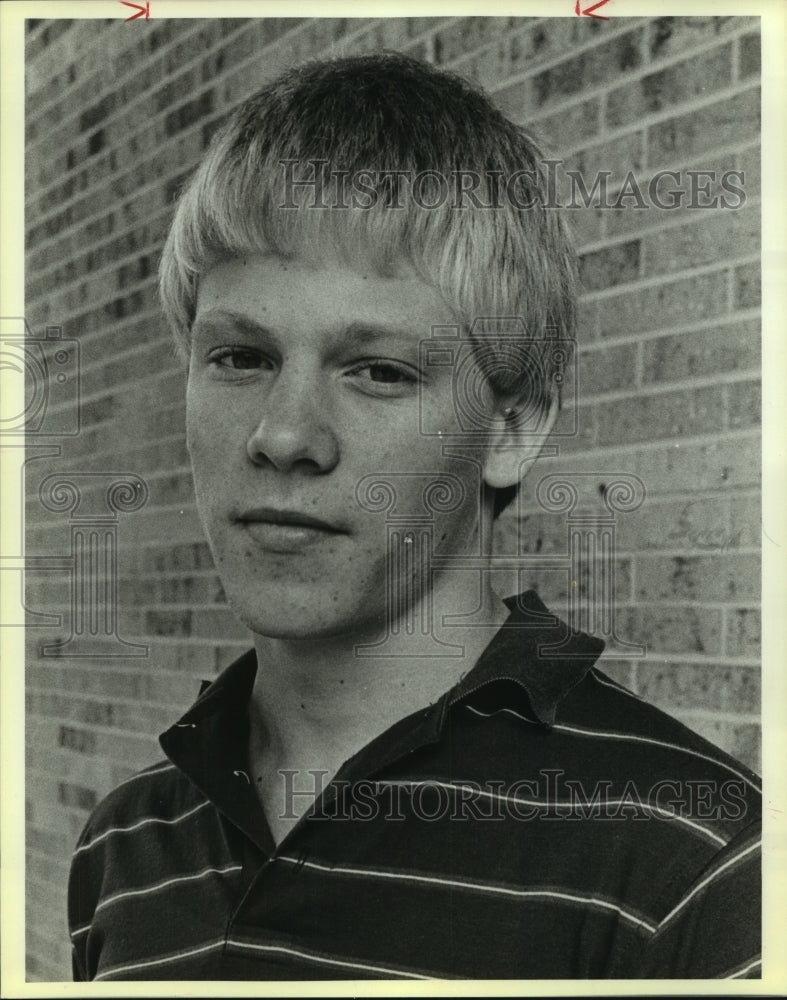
[745,744]
[546,39]
[665,189]
[619,671]
[742,634]
[724,347]
[670,414]
[568,125]
[667,36]
[172,489]
[615,156]
[612,266]
[672,629]
[575,425]
[465,35]
[747,286]
[658,306]
[744,403]
[489,64]
[730,120]
[749,56]
[218,625]
[713,465]
[700,685]
[532,534]
[725,578]
[606,369]
[578,73]
[669,87]
[555,587]
[673,524]
[681,248]
[673,467]
[587,225]
[587,319]
[169,623]
[749,163]
[746,520]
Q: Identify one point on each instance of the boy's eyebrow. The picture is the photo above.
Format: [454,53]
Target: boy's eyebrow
[354,334]
[227,317]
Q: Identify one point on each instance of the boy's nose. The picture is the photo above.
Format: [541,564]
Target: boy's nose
[294,429]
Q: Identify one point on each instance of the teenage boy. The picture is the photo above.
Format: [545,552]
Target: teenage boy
[341,802]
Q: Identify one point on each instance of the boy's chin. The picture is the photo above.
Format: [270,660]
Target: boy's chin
[315,619]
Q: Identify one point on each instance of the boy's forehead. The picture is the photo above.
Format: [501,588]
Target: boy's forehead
[264,294]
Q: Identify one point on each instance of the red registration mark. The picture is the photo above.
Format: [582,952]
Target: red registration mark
[588,11]
[146,10]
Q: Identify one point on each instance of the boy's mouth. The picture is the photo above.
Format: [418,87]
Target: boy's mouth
[286,530]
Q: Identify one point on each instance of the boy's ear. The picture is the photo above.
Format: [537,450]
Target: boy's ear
[515,442]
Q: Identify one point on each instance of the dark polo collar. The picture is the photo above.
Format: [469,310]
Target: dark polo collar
[533,650]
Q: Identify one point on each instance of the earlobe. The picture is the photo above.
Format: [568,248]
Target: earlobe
[515,443]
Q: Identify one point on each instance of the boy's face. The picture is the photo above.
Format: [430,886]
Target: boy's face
[304,378]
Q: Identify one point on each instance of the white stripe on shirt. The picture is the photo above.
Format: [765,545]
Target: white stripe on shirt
[509,711]
[172,957]
[614,685]
[659,743]
[741,971]
[624,736]
[168,882]
[324,960]
[709,878]
[478,886]
[139,824]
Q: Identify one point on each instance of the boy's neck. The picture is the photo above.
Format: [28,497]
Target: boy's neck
[316,702]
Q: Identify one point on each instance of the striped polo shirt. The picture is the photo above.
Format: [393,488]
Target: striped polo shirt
[537,821]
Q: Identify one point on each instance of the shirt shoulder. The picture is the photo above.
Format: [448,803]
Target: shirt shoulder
[625,805]
[628,730]
[158,793]
[121,839]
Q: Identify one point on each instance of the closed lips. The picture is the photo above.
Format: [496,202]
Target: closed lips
[286,518]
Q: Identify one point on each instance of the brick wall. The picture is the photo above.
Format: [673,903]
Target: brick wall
[668,377]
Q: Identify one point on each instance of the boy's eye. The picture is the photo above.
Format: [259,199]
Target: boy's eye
[386,373]
[236,358]
[383,377]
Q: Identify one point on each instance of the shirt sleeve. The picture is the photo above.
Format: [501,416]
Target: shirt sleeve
[713,931]
[82,897]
